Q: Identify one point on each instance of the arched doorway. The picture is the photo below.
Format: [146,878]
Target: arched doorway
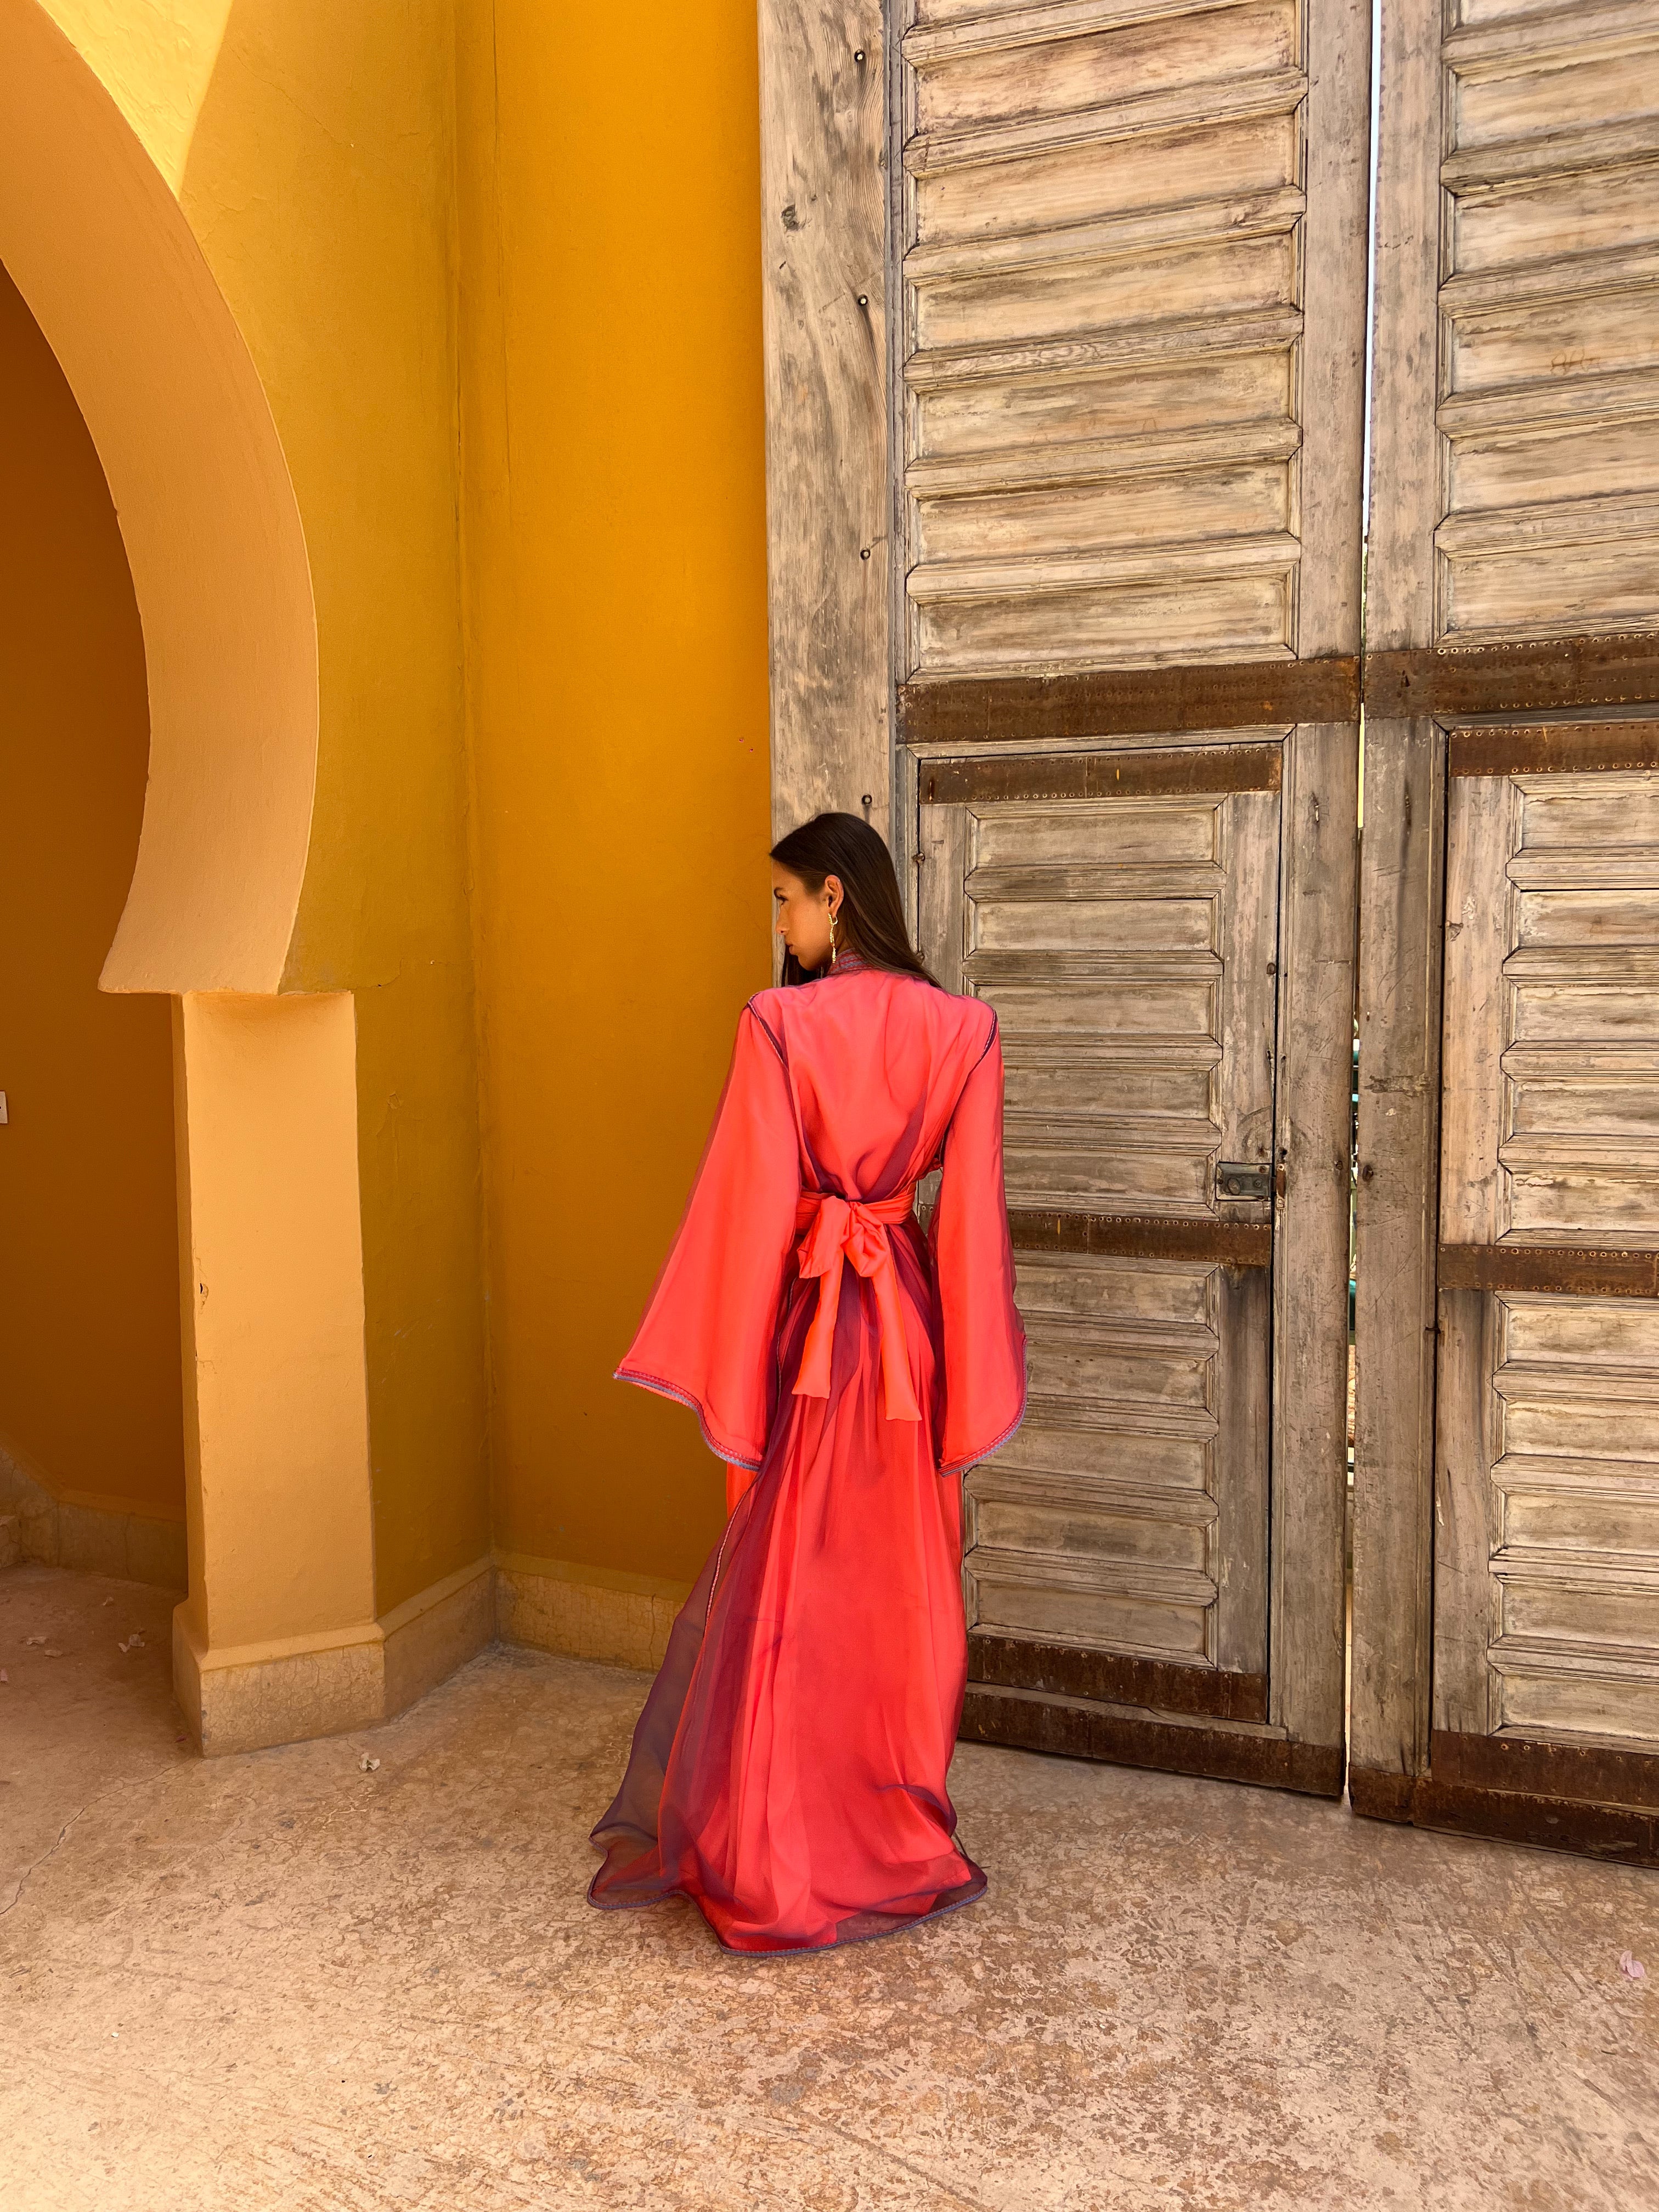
[278,1636]
[91,1422]
[100,249]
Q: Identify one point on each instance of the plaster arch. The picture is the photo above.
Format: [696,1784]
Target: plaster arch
[99,247]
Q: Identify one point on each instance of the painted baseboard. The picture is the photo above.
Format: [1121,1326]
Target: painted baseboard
[253,1696]
[94,1535]
[588,1613]
[434,1632]
[250,1696]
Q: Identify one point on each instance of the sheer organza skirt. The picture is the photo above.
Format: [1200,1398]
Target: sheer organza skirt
[788,1771]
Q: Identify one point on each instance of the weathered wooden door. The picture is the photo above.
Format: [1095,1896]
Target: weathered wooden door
[1506,1592]
[1064,341]
[1118,1550]
[1127,284]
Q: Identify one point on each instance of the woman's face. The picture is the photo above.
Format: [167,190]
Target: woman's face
[804,916]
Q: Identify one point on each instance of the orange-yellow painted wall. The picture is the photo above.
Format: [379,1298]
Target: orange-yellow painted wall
[612,457]
[89,1367]
[496,266]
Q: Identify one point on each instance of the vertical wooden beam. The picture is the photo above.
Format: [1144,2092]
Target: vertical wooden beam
[1466,1506]
[1316,920]
[1401,947]
[1401,951]
[1406,476]
[1316,1038]
[1241,1304]
[1332,355]
[823,242]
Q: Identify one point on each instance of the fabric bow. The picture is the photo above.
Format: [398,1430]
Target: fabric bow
[838,1230]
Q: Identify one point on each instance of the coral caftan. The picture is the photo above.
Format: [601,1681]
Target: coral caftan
[788,1771]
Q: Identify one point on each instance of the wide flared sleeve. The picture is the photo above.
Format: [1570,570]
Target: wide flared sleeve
[973,1272]
[707,1335]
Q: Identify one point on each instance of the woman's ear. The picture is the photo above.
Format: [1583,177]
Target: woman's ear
[834,892]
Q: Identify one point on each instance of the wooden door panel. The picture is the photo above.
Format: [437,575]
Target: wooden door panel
[1052,171]
[1163,1178]
[1549,522]
[1516,333]
[976,74]
[1546,1528]
[1552,1072]
[1153,837]
[1130,1515]
[1129,947]
[1132,389]
[1016,918]
[1056,1083]
[1546,1573]
[993,307]
[1101,283]
[1112,569]
[1009,617]
[1119,937]
[1503,1536]
[1550,1461]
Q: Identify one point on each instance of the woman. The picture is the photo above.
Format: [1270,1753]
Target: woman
[788,1771]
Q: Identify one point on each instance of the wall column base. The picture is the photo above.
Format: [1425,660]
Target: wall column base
[248,1697]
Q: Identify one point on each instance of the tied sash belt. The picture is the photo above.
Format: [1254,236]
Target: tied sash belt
[834,1230]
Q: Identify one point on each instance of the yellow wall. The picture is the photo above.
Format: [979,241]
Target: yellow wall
[89,1369]
[613,454]
[496,265]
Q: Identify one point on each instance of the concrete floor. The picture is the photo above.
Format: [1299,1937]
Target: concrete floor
[278,1981]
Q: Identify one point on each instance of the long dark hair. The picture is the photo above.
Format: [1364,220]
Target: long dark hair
[871,921]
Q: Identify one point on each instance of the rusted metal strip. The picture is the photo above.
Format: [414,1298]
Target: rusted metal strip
[1377,1796]
[1019,1663]
[1613,1832]
[1590,1772]
[1506,679]
[1603,1804]
[1544,675]
[1236,694]
[1574,1270]
[1193,770]
[1071,1729]
[1144,1236]
[1550,748]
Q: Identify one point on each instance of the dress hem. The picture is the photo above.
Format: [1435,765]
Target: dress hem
[900,1926]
